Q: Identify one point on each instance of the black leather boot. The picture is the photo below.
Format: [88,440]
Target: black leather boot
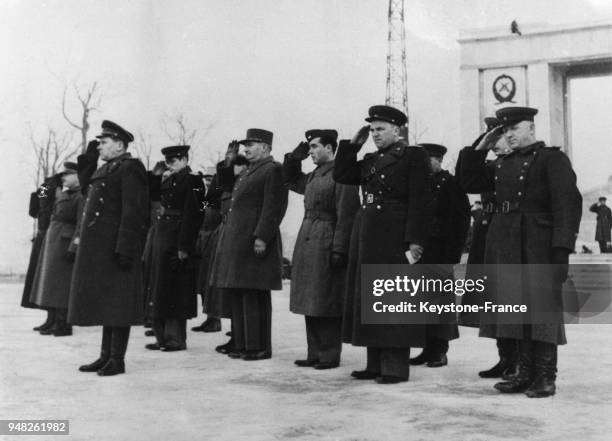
[104,352]
[422,358]
[506,348]
[525,377]
[48,322]
[62,328]
[211,324]
[116,364]
[545,366]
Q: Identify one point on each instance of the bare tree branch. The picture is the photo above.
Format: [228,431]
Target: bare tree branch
[89,102]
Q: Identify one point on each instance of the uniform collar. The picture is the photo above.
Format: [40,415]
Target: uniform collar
[530,148]
[324,168]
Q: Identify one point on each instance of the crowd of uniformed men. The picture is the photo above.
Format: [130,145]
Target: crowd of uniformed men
[119,246]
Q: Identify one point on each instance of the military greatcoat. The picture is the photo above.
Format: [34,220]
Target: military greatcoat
[51,287]
[538,207]
[329,211]
[396,190]
[448,230]
[258,205]
[181,213]
[115,222]
[41,205]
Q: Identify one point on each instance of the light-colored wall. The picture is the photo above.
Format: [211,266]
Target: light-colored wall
[546,51]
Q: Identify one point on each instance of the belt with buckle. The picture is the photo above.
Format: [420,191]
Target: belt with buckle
[507,207]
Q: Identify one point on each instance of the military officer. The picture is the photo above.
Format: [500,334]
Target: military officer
[52,281]
[447,234]
[106,287]
[536,220]
[41,205]
[248,261]
[604,223]
[507,348]
[392,222]
[174,260]
[212,219]
[321,249]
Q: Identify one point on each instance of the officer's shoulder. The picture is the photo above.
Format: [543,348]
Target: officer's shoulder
[553,153]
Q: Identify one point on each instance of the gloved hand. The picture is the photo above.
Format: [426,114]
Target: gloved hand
[338,260]
[70,256]
[301,151]
[92,149]
[125,262]
[360,138]
[560,259]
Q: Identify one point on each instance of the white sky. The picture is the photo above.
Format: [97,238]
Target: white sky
[285,65]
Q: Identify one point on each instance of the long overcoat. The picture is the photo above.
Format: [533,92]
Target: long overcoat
[181,213]
[604,222]
[258,205]
[396,192]
[329,211]
[115,221]
[447,233]
[41,205]
[216,304]
[51,287]
[538,207]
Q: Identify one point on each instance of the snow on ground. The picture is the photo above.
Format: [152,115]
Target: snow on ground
[199,394]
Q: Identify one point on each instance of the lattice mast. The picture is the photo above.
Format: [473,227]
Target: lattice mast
[397,82]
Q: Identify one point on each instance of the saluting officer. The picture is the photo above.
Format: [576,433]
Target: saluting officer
[249,252]
[507,348]
[535,224]
[41,205]
[51,286]
[448,230]
[392,222]
[604,223]
[321,249]
[174,265]
[106,287]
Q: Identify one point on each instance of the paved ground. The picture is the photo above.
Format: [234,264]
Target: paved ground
[199,394]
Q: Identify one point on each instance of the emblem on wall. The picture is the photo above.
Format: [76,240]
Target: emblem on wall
[504,89]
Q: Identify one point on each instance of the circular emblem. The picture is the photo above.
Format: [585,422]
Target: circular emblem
[504,88]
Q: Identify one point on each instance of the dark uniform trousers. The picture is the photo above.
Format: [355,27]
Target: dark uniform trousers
[251,319]
[324,338]
[389,361]
[170,332]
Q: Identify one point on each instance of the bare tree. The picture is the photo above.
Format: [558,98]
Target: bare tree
[51,151]
[89,101]
[178,129]
[143,147]
[182,132]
